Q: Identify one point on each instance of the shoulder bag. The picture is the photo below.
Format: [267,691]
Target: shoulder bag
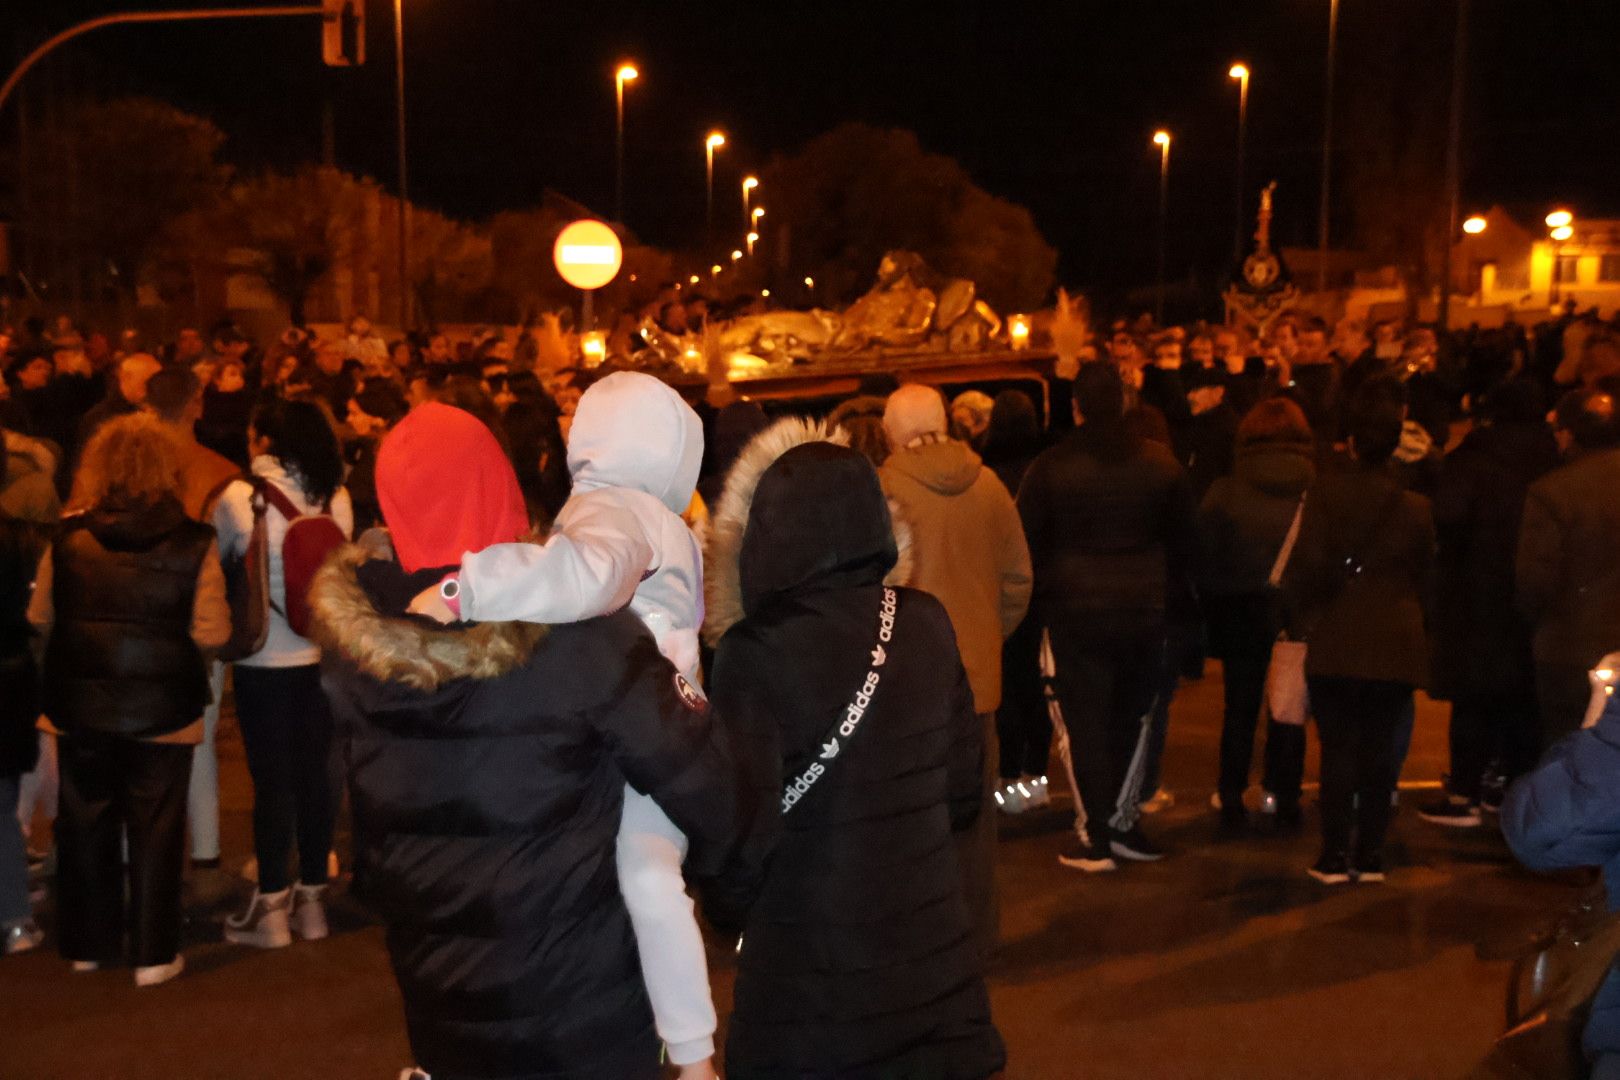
[849,720]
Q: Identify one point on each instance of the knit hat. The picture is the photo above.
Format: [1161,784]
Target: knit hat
[913,410]
[446,488]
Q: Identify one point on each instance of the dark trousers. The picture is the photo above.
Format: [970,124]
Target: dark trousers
[1502,729]
[1106,685]
[1022,725]
[976,853]
[1357,720]
[1183,658]
[1242,630]
[113,786]
[287,733]
[1563,692]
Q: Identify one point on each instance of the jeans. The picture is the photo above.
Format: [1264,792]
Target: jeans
[113,787]
[1491,729]
[287,733]
[1106,685]
[1242,631]
[202,802]
[1022,726]
[1357,720]
[14,905]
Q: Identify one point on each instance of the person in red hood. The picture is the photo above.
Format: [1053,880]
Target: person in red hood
[488,764]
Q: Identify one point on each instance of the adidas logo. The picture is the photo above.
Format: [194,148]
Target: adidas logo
[829,750]
[879,657]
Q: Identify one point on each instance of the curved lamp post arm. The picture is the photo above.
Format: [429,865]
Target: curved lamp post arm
[191,15]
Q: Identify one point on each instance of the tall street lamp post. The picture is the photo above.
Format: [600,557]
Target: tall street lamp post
[714,142]
[1327,149]
[627,73]
[404,193]
[1161,139]
[748,185]
[1240,72]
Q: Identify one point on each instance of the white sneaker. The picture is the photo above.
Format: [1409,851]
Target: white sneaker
[1013,798]
[157,974]
[1039,795]
[264,925]
[21,937]
[309,912]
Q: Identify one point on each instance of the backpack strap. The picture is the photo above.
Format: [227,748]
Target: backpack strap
[278,499]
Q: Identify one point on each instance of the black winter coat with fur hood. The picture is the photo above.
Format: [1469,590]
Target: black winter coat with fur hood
[857,959]
[487,766]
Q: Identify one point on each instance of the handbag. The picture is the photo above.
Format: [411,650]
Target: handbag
[247,587]
[1550,992]
[1287,696]
[849,719]
[1287,700]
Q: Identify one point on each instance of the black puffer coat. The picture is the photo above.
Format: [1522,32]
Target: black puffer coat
[487,767]
[20,549]
[1110,522]
[857,959]
[1245,517]
[121,659]
[1482,642]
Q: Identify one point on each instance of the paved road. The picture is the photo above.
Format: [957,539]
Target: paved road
[1224,961]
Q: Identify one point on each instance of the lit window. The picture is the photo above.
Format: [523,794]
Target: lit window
[1609,268]
[1569,268]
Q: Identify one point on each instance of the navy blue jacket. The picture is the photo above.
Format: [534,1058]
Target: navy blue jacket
[1566,813]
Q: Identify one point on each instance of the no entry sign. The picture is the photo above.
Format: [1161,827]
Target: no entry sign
[588,254]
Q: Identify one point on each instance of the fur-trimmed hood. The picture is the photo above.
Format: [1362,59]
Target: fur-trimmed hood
[403,650]
[728,522]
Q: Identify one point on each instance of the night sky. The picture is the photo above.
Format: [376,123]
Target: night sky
[1048,104]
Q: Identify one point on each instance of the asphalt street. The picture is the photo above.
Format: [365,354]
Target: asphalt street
[1223,961]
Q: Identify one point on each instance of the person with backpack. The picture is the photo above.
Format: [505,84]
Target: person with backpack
[295,506]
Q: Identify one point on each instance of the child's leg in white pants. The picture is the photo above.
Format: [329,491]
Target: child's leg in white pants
[673,963]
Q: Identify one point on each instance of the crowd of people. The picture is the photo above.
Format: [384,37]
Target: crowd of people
[576,649]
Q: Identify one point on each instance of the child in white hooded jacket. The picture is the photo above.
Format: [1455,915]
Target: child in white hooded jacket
[634,452]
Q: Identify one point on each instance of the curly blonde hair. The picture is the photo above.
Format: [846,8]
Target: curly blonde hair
[131,459]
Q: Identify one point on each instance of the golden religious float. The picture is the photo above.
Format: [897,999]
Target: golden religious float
[914,323]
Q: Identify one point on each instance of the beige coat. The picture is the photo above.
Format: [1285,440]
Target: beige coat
[968,549]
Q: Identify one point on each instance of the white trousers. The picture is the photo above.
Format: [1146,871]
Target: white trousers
[673,962]
[37,791]
[202,801]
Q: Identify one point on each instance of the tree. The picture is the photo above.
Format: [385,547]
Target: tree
[105,181]
[856,192]
[452,264]
[1394,147]
[296,225]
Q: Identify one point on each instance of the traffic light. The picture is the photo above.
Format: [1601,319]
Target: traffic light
[343,36]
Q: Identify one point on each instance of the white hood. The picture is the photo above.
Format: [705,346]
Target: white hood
[633,431]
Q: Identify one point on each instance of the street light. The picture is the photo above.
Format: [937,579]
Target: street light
[759,212]
[1240,73]
[748,185]
[1474,225]
[695,279]
[752,238]
[1322,227]
[627,73]
[404,195]
[736,256]
[714,142]
[1161,139]
[1561,227]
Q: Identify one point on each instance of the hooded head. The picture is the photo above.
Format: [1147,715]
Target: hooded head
[913,411]
[633,431]
[446,488]
[819,520]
